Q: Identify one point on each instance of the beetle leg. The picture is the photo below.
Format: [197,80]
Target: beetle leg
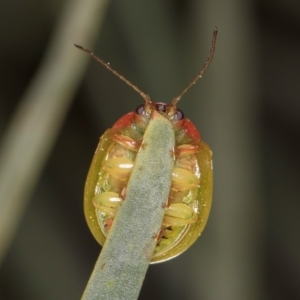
[183,180]
[162,234]
[107,203]
[159,235]
[179,214]
[119,168]
[186,149]
[127,142]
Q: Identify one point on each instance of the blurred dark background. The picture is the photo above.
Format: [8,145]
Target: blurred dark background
[246,106]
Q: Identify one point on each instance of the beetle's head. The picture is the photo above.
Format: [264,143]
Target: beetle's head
[170,111]
[144,112]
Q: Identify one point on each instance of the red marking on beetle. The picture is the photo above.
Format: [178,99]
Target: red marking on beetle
[191,130]
[123,193]
[108,223]
[124,121]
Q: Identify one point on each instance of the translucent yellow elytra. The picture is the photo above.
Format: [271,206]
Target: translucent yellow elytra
[188,204]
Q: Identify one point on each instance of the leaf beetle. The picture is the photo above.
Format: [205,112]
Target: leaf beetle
[188,205]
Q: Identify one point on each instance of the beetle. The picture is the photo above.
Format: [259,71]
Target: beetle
[189,202]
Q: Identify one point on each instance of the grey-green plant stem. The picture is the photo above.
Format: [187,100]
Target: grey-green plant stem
[38,119]
[125,257]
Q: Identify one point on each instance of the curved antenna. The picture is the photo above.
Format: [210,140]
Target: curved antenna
[199,75]
[107,66]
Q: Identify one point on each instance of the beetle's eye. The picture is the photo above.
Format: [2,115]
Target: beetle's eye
[179,115]
[140,110]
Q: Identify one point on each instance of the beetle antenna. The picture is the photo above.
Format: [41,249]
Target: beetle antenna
[107,66]
[199,75]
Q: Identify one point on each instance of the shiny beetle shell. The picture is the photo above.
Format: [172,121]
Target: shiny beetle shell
[189,202]
[111,167]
